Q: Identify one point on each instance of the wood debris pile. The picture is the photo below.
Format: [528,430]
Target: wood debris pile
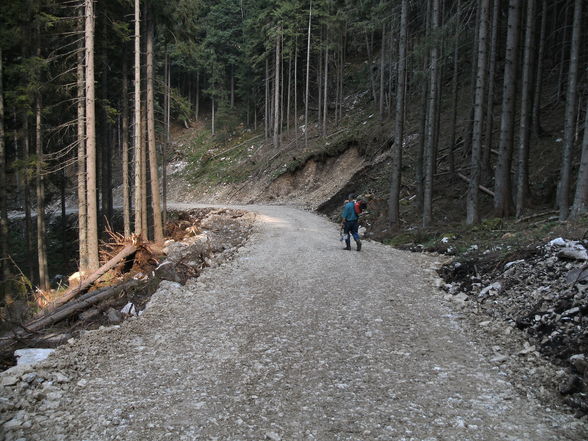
[130,272]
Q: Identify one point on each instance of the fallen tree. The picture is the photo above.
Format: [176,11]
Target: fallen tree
[85,284]
[22,332]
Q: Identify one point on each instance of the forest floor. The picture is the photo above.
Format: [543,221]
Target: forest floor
[293,338]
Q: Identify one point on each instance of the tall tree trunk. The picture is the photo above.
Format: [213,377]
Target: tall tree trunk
[144,206]
[382,66]
[167,142]
[502,191]
[3,190]
[282,88]
[277,95]
[125,150]
[319,83]
[525,117]
[27,202]
[213,121]
[137,141]
[486,168]
[473,215]
[454,92]
[536,112]
[40,187]
[155,196]
[92,219]
[429,152]
[232,86]
[420,167]
[564,39]
[82,193]
[197,94]
[266,102]
[296,93]
[581,197]
[467,137]
[570,114]
[370,72]
[306,128]
[289,92]
[326,80]
[394,197]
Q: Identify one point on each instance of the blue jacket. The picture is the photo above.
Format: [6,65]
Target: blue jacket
[348,213]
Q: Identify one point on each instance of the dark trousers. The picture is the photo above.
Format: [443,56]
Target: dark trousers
[350,227]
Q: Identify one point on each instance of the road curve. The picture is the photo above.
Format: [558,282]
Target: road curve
[295,339]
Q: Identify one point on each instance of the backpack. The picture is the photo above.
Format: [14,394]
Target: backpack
[360,206]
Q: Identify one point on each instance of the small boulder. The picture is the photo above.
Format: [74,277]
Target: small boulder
[570,385]
[114,316]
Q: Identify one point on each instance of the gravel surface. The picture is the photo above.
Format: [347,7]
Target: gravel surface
[294,339]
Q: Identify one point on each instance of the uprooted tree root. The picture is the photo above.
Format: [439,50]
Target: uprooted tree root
[129,275]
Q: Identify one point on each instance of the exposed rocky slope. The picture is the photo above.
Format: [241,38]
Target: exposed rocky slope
[542,291]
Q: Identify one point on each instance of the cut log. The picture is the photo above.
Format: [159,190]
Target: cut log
[85,284]
[63,312]
[481,187]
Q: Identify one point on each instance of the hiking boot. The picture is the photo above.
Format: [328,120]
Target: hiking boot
[347,245]
[358,242]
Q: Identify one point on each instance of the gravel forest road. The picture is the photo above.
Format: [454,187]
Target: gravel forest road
[294,339]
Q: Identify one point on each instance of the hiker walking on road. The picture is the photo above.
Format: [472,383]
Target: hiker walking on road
[350,223]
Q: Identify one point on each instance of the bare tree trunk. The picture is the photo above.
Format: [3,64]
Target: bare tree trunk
[197,94]
[144,146]
[536,112]
[454,92]
[282,88]
[428,157]
[473,215]
[394,197]
[306,128]
[581,197]
[486,168]
[564,39]
[525,118]
[370,73]
[40,186]
[27,203]
[570,114]
[126,202]
[155,196]
[296,93]
[467,137]
[232,86]
[167,142]
[319,83]
[502,191]
[3,189]
[382,66]
[420,167]
[92,219]
[289,92]
[137,141]
[277,95]
[82,194]
[266,102]
[326,90]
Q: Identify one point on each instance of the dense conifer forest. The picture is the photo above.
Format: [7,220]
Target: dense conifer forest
[89,91]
